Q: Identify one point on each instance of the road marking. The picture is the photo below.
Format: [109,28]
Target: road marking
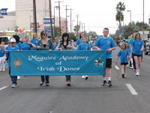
[2,88]
[131,89]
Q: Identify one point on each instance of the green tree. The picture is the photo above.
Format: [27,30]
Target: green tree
[119,16]
[92,35]
[76,29]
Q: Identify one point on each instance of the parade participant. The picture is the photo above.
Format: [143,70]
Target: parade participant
[2,58]
[84,45]
[25,44]
[35,40]
[107,44]
[45,44]
[137,50]
[124,56]
[65,45]
[12,47]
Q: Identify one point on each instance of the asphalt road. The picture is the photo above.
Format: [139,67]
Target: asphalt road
[131,95]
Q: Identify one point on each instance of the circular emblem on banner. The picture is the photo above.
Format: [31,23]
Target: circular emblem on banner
[18,63]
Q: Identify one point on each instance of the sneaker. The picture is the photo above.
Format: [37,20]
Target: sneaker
[41,83]
[46,84]
[137,73]
[104,83]
[123,75]
[109,84]
[13,86]
[18,77]
[86,77]
[83,77]
[68,83]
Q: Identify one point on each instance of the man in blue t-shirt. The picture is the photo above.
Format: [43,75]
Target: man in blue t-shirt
[107,44]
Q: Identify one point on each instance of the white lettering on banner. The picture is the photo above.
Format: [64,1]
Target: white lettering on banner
[40,59]
[46,68]
[65,58]
[62,69]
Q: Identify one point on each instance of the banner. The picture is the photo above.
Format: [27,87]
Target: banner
[57,63]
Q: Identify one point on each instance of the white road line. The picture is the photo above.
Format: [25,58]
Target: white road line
[131,89]
[2,88]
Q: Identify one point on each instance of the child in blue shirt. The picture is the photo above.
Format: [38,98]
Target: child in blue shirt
[124,56]
[12,47]
[2,58]
[84,45]
[106,43]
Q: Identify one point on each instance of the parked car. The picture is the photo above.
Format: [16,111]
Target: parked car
[4,39]
[147,47]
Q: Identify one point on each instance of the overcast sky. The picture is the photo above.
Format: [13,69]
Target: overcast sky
[97,14]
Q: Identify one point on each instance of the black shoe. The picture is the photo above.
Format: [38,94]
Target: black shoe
[86,78]
[123,76]
[68,83]
[46,84]
[42,84]
[104,82]
[109,84]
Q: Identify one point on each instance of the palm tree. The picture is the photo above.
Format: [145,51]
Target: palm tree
[119,16]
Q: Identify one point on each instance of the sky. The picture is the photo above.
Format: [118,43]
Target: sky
[97,14]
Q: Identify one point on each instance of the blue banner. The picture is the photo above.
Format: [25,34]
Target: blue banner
[57,63]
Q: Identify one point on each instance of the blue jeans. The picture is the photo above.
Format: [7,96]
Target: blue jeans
[13,78]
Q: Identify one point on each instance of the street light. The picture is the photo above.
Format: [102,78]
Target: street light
[143,12]
[130,15]
[50,14]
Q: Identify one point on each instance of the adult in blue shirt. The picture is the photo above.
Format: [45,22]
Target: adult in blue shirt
[12,47]
[25,44]
[137,50]
[107,44]
[35,40]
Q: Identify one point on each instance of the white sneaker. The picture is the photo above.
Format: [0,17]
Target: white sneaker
[137,73]
[83,77]
[18,77]
[13,86]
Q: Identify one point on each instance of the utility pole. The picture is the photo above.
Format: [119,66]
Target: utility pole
[143,13]
[50,14]
[70,20]
[77,25]
[34,16]
[54,21]
[67,18]
[59,15]
[130,16]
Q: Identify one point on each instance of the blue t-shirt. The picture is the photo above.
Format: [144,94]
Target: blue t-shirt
[123,55]
[106,43]
[36,42]
[9,49]
[2,52]
[84,46]
[24,46]
[79,41]
[137,46]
